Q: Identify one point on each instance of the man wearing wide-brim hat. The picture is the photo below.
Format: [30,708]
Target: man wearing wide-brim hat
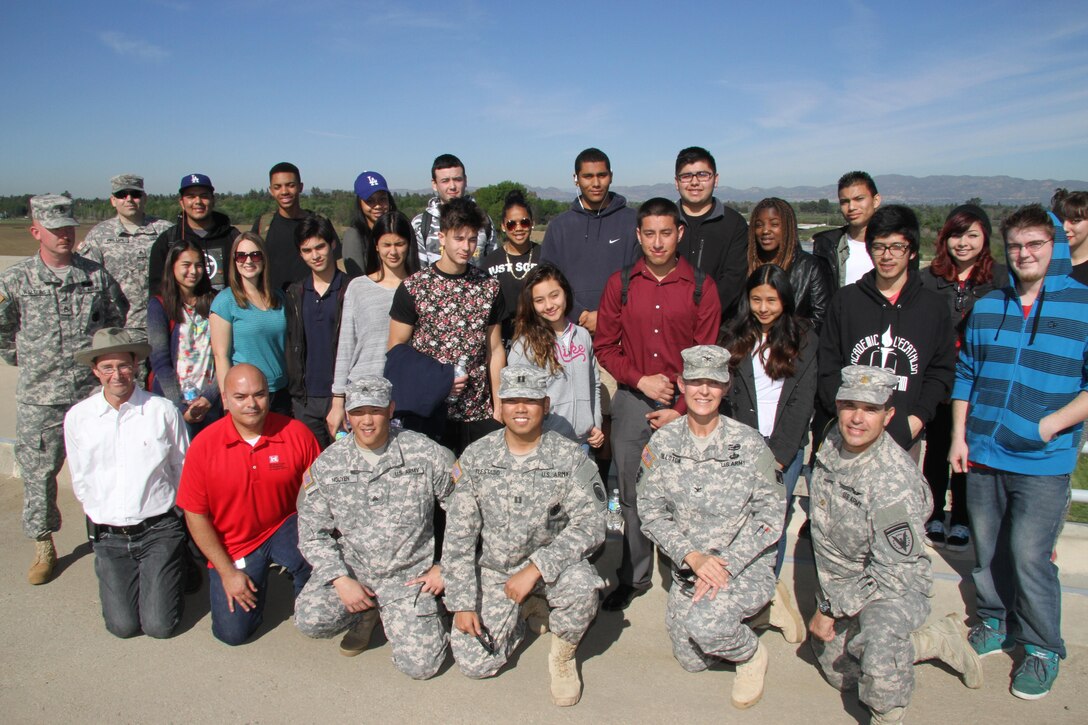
[125,452]
[50,305]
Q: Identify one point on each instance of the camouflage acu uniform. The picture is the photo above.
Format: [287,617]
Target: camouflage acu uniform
[868,513]
[125,257]
[547,509]
[385,518]
[44,320]
[726,501]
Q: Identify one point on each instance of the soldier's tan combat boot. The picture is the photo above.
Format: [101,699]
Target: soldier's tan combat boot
[748,684]
[45,558]
[891,717]
[358,637]
[944,641]
[784,615]
[537,614]
[566,684]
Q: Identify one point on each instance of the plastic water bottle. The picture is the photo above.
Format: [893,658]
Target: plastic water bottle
[614,521]
[189,392]
[459,371]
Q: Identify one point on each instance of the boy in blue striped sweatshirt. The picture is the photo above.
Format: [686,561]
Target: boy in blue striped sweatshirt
[1020,398]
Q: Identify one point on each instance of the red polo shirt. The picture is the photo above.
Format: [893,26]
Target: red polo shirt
[246,491]
[645,336]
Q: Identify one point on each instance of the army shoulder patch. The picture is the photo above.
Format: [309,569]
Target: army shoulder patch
[648,457]
[457,470]
[598,491]
[307,480]
[900,537]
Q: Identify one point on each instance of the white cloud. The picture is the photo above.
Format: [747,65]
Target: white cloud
[123,45]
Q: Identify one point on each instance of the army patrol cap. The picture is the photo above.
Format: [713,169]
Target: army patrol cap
[52,211]
[867,384]
[126,182]
[113,339]
[523,381]
[369,390]
[706,361]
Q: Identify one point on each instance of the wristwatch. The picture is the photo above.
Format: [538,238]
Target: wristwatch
[824,605]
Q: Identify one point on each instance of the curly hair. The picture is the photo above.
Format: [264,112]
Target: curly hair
[538,334]
[786,252]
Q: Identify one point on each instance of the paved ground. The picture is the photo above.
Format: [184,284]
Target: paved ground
[61,665]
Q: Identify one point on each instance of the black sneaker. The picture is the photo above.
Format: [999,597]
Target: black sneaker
[935,534]
[621,598]
[958,538]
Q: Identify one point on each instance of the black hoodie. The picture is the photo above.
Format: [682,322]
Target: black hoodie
[216,245]
[913,338]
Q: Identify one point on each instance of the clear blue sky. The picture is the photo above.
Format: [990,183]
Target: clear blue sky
[781,93]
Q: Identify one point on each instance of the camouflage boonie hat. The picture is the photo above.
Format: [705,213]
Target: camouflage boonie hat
[368,390]
[523,381]
[867,384]
[124,182]
[706,361]
[52,211]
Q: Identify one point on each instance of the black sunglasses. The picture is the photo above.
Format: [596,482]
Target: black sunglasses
[126,193]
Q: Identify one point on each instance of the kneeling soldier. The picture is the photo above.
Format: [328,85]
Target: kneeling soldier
[869,508]
[709,497]
[377,488]
[537,503]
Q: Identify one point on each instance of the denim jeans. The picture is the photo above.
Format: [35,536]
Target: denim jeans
[789,480]
[281,548]
[140,578]
[1015,519]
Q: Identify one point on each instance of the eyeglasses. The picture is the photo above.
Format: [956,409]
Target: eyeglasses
[122,369]
[512,224]
[1015,250]
[127,193]
[254,256]
[687,176]
[898,249]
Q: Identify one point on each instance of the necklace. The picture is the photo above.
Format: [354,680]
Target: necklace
[510,265]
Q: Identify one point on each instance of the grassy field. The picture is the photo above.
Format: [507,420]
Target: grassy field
[1079,511]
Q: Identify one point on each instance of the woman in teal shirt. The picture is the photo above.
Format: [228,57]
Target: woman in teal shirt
[248,323]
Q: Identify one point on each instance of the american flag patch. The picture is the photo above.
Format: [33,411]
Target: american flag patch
[307,479]
[648,457]
[456,471]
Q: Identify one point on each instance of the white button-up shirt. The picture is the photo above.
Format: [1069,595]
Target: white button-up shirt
[125,463]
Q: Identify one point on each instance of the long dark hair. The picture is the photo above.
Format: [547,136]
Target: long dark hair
[944,266]
[786,336]
[172,301]
[788,249]
[358,222]
[539,335]
[392,222]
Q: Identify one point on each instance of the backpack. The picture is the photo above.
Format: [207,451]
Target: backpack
[625,281]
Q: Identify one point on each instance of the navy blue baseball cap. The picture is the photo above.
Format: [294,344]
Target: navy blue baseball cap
[194,180]
[368,182]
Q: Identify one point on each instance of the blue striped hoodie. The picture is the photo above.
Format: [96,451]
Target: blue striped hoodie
[1013,371]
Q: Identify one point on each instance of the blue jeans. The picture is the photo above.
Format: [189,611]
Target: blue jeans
[281,548]
[1015,519]
[789,480]
[140,578]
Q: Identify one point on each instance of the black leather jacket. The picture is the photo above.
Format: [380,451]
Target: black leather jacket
[810,292]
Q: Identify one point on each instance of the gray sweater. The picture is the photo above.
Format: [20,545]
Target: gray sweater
[364,332]
[574,391]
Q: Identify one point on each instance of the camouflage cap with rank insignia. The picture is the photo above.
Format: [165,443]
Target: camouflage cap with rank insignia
[523,381]
[867,384]
[52,211]
[126,182]
[708,362]
[369,390]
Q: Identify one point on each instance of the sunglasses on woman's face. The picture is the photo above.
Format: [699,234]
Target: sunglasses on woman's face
[254,256]
[512,224]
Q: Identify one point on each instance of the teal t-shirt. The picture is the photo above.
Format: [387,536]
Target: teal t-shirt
[258,337]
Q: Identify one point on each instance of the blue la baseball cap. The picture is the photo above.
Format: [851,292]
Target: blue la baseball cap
[368,182]
[194,180]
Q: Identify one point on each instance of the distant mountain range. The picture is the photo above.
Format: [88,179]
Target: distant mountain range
[893,188]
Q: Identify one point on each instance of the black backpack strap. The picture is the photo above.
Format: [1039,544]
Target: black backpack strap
[625,282]
[700,276]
